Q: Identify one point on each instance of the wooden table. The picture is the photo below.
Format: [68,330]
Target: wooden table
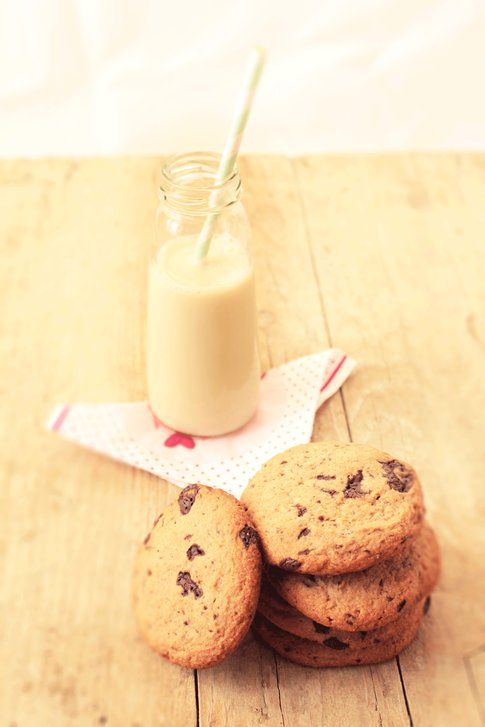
[380,255]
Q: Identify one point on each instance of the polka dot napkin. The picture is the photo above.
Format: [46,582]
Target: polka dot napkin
[290,395]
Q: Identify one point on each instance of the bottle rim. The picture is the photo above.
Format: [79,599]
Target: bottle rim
[189,183]
[191,164]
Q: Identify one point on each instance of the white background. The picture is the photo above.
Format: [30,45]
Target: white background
[141,76]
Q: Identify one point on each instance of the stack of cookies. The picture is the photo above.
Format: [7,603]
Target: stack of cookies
[350,561]
[350,564]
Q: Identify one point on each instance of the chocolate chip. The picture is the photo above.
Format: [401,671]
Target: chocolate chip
[381,583]
[334,643]
[302,533]
[325,477]
[301,510]
[289,564]
[362,634]
[398,476]
[248,535]
[426,606]
[187,537]
[188,585]
[320,628]
[194,550]
[402,604]
[321,518]
[187,498]
[284,461]
[304,552]
[353,488]
[389,598]
[328,492]
[147,538]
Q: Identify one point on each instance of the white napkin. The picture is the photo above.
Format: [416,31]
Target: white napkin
[290,395]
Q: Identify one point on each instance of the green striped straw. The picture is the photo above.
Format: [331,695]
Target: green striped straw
[233,142]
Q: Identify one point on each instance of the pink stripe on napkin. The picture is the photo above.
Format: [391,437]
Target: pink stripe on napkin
[334,372]
[59,419]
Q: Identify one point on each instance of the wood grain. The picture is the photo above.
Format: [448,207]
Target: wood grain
[382,256]
[74,251]
[399,255]
[290,325]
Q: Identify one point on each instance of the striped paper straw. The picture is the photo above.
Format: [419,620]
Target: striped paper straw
[233,142]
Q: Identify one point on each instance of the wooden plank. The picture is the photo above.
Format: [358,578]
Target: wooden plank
[396,242]
[360,696]
[74,238]
[241,691]
[292,324]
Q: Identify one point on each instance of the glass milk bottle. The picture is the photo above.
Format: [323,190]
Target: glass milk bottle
[202,354]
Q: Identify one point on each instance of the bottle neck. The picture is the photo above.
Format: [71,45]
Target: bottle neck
[189,184]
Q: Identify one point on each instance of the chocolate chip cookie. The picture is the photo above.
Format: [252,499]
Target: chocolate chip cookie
[368,599]
[333,653]
[333,507]
[287,618]
[197,578]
